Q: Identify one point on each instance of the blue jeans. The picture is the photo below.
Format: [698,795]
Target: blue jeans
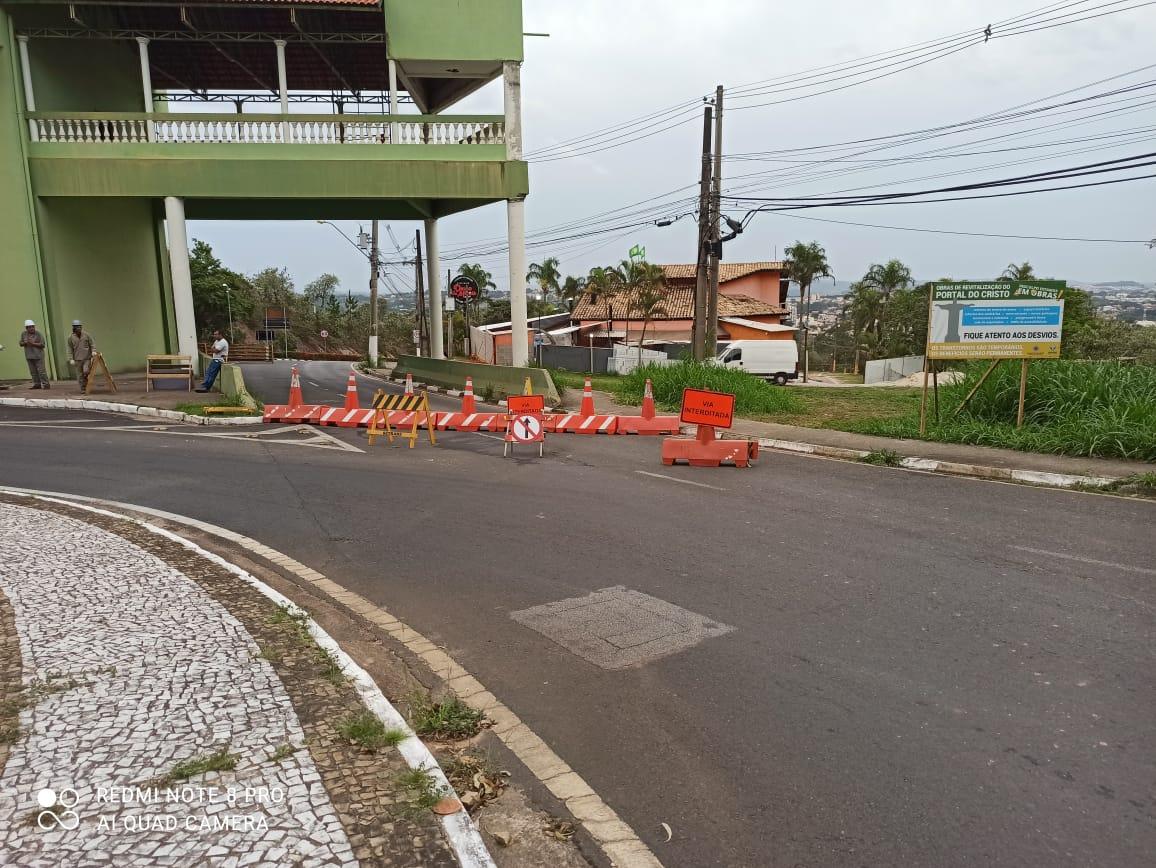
[211,374]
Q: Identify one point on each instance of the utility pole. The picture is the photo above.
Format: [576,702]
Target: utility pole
[419,297]
[450,307]
[698,336]
[374,265]
[715,220]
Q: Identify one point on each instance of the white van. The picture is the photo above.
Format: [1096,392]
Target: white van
[776,360]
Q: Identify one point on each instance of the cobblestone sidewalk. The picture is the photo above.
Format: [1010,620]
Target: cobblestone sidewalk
[156,710]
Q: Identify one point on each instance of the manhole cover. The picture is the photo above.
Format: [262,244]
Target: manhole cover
[615,628]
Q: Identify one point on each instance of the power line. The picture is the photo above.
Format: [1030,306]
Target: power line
[958,232]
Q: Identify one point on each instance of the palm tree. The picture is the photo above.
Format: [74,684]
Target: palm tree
[649,298]
[572,289]
[865,307]
[480,276]
[805,262]
[1018,272]
[888,278]
[601,282]
[546,274]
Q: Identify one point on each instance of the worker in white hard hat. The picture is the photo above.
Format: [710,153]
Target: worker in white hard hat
[33,343]
[80,350]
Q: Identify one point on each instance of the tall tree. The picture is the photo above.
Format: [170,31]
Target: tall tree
[805,263]
[546,275]
[865,308]
[572,290]
[888,277]
[649,297]
[1023,271]
[481,277]
[601,282]
[212,304]
[272,286]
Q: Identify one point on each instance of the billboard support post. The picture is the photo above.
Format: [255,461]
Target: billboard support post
[1023,391]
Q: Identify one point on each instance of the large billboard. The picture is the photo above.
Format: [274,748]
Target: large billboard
[997,320]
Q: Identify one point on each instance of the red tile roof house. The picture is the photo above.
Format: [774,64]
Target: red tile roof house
[750,307]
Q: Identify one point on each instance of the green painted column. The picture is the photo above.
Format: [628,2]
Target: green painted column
[21,282]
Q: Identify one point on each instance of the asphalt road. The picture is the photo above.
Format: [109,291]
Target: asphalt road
[922,670]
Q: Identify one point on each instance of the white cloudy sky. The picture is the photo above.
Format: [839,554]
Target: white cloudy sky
[608,61]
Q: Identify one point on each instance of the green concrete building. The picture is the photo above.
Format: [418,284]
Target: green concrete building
[120,120]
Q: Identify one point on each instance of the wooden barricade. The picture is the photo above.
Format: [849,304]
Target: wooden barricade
[408,409]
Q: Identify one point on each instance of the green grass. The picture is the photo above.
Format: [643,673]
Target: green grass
[883,458]
[366,730]
[221,401]
[574,380]
[220,761]
[283,751]
[753,397]
[1136,485]
[450,719]
[1095,409]
[420,791]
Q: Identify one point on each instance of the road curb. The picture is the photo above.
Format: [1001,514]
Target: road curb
[953,468]
[127,409]
[615,837]
[461,832]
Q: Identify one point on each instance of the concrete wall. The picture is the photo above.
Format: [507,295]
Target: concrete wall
[21,287]
[101,267]
[888,370]
[763,285]
[502,379]
[574,358]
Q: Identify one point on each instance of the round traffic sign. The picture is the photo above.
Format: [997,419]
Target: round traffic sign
[464,288]
[526,429]
[324,333]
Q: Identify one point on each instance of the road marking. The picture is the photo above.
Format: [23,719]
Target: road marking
[317,438]
[491,437]
[676,479]
[1144,571]
[617,840]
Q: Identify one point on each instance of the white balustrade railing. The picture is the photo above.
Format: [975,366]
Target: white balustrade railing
[189,129]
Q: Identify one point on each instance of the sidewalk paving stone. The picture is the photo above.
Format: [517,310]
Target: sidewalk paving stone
[136,653]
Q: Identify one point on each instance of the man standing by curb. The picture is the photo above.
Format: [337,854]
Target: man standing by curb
[80,351]
[33,343]
[220,355]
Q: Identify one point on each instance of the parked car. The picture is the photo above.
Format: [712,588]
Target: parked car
[771,360]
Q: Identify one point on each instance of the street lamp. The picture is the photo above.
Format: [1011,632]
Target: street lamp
[229,302]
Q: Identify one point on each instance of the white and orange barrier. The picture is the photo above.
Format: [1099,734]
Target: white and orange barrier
[648,422]
[577,423]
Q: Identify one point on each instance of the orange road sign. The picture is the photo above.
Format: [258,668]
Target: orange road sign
[700,407]
[532,404]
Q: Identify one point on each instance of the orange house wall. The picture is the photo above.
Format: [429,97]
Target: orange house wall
[763,285]
[744,333]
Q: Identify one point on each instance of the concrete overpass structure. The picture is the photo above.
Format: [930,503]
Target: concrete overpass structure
[121,120]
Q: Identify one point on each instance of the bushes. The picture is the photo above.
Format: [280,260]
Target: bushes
[752,395]
[1072,408]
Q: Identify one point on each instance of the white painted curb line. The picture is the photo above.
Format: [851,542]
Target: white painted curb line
[954,468]
[463,835]
[130,409]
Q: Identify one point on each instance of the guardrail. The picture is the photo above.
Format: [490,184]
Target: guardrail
[215,129]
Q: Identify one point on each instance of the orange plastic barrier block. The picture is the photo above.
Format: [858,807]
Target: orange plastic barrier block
[275,412]
[305,413]
[573,423]
[642,425]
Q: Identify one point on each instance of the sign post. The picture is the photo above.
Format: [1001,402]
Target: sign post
[997,320]
[708,410]
[524,423]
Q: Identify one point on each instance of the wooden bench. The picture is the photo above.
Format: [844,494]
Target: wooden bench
[168,367]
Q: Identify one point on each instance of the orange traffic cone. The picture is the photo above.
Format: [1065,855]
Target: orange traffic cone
[647,401]
[409,384]
[468,404]
[351,393]
[587,408]
[295,399]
